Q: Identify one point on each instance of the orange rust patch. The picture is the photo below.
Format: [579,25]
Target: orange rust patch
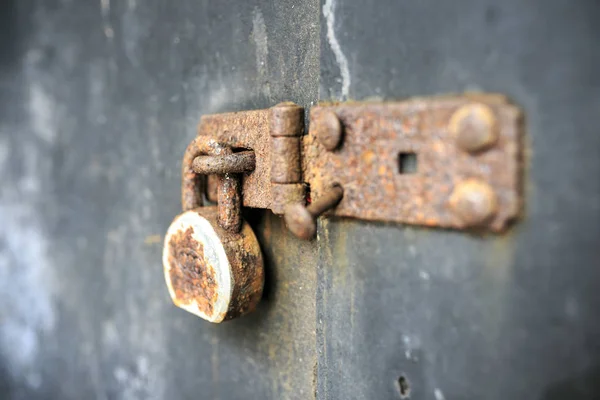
[192,279]
[375,134]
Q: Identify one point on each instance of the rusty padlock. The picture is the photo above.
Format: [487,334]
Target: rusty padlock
[212,260]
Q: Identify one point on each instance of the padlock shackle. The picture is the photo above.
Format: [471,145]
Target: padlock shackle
[229,190]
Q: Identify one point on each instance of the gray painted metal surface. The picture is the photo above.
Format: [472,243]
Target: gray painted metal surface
[465,317]
[98,100]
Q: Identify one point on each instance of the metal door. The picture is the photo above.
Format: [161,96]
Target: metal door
[99,100]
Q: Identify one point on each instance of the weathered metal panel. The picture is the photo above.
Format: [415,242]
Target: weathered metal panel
[376,135]
[98,102]
[459,316]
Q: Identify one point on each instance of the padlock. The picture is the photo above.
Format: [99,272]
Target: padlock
[212,260]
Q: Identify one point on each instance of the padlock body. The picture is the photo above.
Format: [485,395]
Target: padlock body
[210,272]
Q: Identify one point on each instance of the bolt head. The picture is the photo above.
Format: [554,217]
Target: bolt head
[300,221]
[329,130]
[474,127]
[209,272]
[474,202]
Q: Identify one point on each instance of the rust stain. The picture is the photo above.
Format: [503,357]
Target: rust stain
[273,136]
[192,278]
[153,239]
[244,130]
[455,138]
[246,265]
[474,127]
[366,164]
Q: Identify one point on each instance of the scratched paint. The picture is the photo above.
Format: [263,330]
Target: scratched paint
[329,14]
[261,42]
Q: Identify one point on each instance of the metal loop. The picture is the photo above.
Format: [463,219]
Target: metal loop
[243,161]
[229,189]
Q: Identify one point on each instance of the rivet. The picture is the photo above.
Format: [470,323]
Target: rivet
[329,130]
[474,127]
[474,202]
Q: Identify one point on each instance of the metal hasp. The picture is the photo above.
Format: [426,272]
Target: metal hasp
[451,161]
[212,261]
[447,161]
